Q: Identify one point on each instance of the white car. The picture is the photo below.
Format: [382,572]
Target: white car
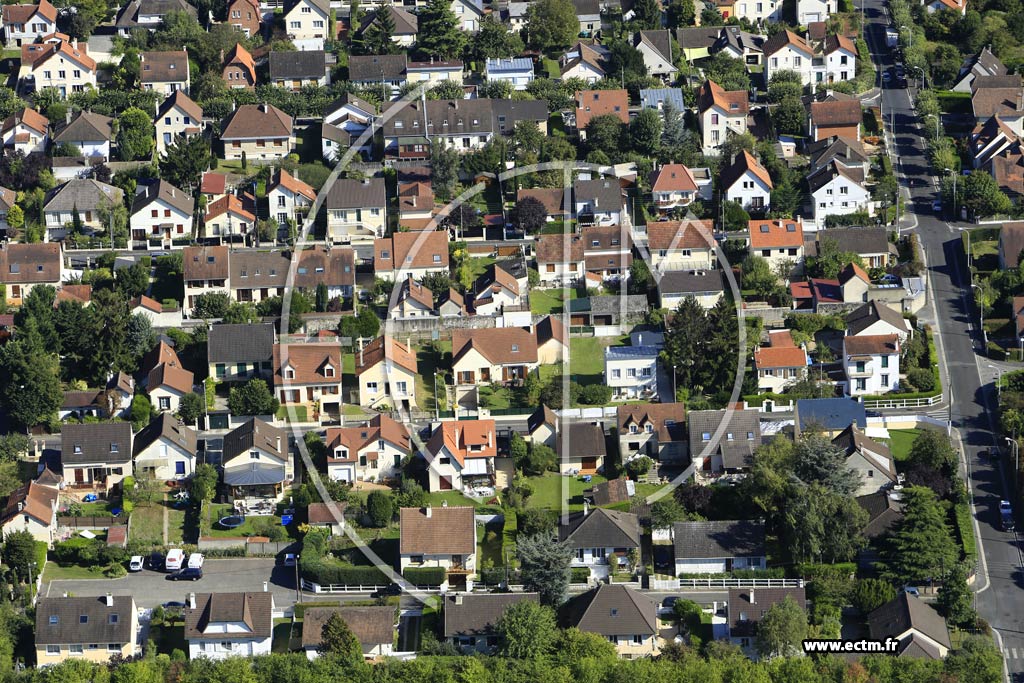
[289,559]
[910,590]
[175,558]
[195,561]
[135,564]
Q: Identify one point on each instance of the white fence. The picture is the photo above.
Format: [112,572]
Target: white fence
[890,403]
[311,587]
[712,583]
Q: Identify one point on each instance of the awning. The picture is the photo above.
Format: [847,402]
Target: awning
[475,466]
[254,475]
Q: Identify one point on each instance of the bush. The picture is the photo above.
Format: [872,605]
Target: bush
[492,576]
[115,571]
[870,594]
[996,352]
[425,576]
[380,508]
[327,572]
[921,379]
[596,394]
[579,575]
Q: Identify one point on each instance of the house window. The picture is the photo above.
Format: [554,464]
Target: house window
[113,647]
[416,559]
[630,372]
[179,467]
[254,455]
[75,649]
[705,436]
[401,387]
[860,366]
[114,448]
[165,403]
[53,649]
[221,370]
[885,361]
[371,387]
[796,62]
[885,380]
[638,640]
[54,619]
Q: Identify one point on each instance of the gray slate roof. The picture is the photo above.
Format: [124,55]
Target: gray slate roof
[745,428]
[256,434]
[476,614]
[830,413]
[85,127]
[652,98]
[375,68]
[309,64]
[606,192]
[600,528]
[246,475]
[66,621]
[691,282]
[241,343]
[716,540]
[906,612]
[862,318]
[354,194]
[611,610]
[585,439]
[162,190]
[83,194]
[168,427]
[100,442]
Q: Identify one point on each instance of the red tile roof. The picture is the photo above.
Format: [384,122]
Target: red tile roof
[765,234]
[591,103]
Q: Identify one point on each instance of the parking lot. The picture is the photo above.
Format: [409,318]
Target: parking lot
[219,576]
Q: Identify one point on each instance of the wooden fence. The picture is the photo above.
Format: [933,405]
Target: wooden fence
[92,521]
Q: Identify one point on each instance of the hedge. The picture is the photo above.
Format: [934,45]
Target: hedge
[770,573]
[962,515]
[580,575]
[492,576]
[327,573]
[811,571]
[425,576]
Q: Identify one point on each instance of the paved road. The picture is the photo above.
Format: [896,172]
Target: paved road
[1000,598]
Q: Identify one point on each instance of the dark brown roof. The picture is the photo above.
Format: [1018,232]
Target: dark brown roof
[256,434]
[988,102]
[334,267]
[840,113]
[551,249]
[254,610]
[718,540]
[499,345]
[553,199]
[600,528]
[586,439]
[30,263]
[320,513]
[257,121]
[613,610]
[163,67]
[447,531]
[611,492]
[182,101]
[883,513]
[86,126]
[64,621]
[871,344]
[1011,242]
[668,420]
[748,605]
[477,614]
[166,426]
[205,263]
[908,612]
[100,442]
[372,626]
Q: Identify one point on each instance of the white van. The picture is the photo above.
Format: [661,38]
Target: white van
[135,564]
[175,558]
[195,561]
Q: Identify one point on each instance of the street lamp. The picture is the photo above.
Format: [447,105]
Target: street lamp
[937,121]
[1016,460]
[999,381]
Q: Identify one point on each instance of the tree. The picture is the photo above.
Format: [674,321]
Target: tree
[444,163]
[666,512]
[785,84]
[818,460]
[439,35]
[29,378]
[736,217]
[681,13]
[493,41]
[758,276]
[253,398]
[640,279]
[789,116]
[830,260]
[920,546]
[184,161]
[551,24]
[933,450]
[544,566]
[135,134]
[377,36]
[133,280]
[673,130]
[869,594]
[956,599]
[534,521]
[647,15]
[141,411]
[782,630]
[15,220]
[190,408]
[685,337]
[517,449]
[605,132]
[541,458]
[726,71]
[574,645]
[645,131]
[982,196]
[380,508]
[530,215]
[337,639]
[19,552]
[527,630]
[204,482]
[13,446]
[211,305]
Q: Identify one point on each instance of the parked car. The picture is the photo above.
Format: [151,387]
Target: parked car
[174,604]
[156,561]
[186,574]
[175,559]
[937,206]
[195,561]
[290,559]
[910,590]
[388,590]
[668,605]
[135,564]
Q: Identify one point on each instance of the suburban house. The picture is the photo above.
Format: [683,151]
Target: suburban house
[747,183]
[871,363]
[24,266]
[238,353]
[27,23]
[599,201]
[560,258]
[982,64]
[674,187]
[718,547]
[470,620]
[627,618]
[848,152]
[373,627]
[370,452]
[495,289]
[719,114]
[593,103]
[177,115]
[411,254]
[245,16]
[452,304]
[31,507]
[239,70]
[82,197]
[164,72]
[309,375]
[413,301]
[165,449]
[607,252]
[60,65]
[323,516]
[740,436]
[94,629]
[439,537]
[89,133]
[656,430]
[601,538]
[585,62]
[230,218]
[27,131]
[222,625]
[516,71]
[161,213]
[780,362]
[434,71]
[875,318]
[357,210]
[585,443]
[631,371]
[920,630]
[345,121]
[780,242]
[295,70]
[837,190]
[460,455]
[840,58]
[656,49]
[483,356]
[786,51]
[379,71]
[289,198]
[259,132]
[306,23]
[96,455]
[696,42]
[829,416]
[386,371]
[167,382]
[404,34]
[542,426]
[747,606]
[256,458]
[148,14]
[661,99]
[871,460]
[705,286]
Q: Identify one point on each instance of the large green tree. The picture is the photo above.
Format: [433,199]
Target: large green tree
[493,41]
[337,639]
[728,72]
[439,34]
[253,398]
[956,600]
[645,132]
[527,630]
[781,631]
[378,34]
[551,24]
[545,566]
[817,460]
[135,135]
[30,389]
[921,546]
[982,196]
[184,161]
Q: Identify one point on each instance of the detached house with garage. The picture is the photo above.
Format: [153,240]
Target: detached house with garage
[747,183]
[177,115]
[920,630]
[718,547]
[631,371]
[593,103]
[165,449]
[439,537]
[309,375]
[735,447]
[838,190]
[386,370]
[627,618]
[96,455]
[357,210]
[484,356]
[261,132]
[599,201]
[779,363]
[600,537]
[460,455]
[222,625]
[580,447]
[370,452]
[656,49]
[673,186]
[82,196]
[656,430]
[305,23]
[373,627]
[89,133]
[289,198]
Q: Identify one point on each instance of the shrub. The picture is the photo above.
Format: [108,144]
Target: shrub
[996,352]
[115,571]
[425,576]
[921,379]
[596,394]
[380,508]
[327,572]
[492,576]
[579,575]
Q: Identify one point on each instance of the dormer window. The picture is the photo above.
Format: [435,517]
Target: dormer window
[114,448]
[289,373]
[54,619]
[385,255]
[515,348]
[328,371]
[649,428]
[632,429]
[254,455]
[77,448]
[83,619]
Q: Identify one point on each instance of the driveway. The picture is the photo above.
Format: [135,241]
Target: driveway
[219,576]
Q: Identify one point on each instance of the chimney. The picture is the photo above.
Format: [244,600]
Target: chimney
[67,117]
[428,512]
[109,600]
[65,594]
[279,444]
[74,43]
[752,600]
[265,586]
[458,598]
[586,508]
[191,600]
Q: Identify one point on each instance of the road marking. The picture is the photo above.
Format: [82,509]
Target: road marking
[1013,650]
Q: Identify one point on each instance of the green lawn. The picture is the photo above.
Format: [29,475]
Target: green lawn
[548,301]
[551,68]
[477,266]
[490,538]
[176,525]
[281,643]
[429,358]
[169,637]
[251,527]
[148,523]
[453,498]
[349,410]
[547,490]
[348,364]
[292,413]
[99,508]
[900,441]
[54,572]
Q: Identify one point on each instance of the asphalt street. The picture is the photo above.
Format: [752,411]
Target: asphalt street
[966,373]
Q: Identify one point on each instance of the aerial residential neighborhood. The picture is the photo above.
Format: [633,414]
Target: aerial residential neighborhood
[502,340]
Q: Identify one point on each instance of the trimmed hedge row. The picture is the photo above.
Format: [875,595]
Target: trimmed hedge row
[580,575]
[962,515]
[327,573]
[425,576]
